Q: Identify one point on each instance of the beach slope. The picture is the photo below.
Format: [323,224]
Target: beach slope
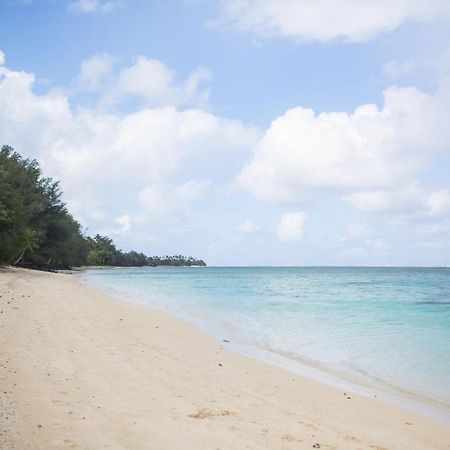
[80,369]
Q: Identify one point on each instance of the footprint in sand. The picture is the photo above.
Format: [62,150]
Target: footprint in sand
[308,425]
[204,413]
[352,438]
[64,443]
[289,438]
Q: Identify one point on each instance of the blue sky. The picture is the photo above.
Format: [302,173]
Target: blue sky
[244,132]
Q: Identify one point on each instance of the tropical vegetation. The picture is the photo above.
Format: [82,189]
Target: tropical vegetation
[37,230]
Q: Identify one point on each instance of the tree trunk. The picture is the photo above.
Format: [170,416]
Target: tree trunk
[17,261]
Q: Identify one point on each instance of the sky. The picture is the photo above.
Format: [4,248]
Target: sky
[243,132]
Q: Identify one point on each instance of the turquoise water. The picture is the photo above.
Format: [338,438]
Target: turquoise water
[387,328]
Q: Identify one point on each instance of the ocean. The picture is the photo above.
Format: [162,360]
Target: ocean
[374,330]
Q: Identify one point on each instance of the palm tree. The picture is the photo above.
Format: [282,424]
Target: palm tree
[30,239]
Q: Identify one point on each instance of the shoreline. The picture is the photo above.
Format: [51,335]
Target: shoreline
[82,369]
[366,386]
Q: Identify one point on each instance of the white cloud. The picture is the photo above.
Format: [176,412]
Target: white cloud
[429,64]
[371,148]
[247,227]
[438,202]
[127,171]
[124,223]
[148,80]
[361,239]
[93,6]
[162,201]
[290,227]
[123,226]
[106,159]
[95,71]
[405,204]
[322,20]
[373,201]
[2,58]
[397,69]
[191,87]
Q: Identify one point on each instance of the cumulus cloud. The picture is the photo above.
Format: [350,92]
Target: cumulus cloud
[92,6]
[371,148]
[405,204]
[432,64]
[322,20]
[2,58]
[95,71]
[146,82]
[153,81]
[397,69]
[290,227]
[122,226]
[162,200]
[151,163]
[110,163]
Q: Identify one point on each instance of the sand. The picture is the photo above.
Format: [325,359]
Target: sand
[80,369]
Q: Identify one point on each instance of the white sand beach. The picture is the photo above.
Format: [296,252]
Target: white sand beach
[80,369]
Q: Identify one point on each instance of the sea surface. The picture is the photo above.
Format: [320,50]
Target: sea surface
[383,330]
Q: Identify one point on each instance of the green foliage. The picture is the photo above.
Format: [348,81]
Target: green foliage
[177,260]
[102,251]
[36,230]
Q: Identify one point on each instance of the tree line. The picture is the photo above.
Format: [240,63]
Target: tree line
[37,230]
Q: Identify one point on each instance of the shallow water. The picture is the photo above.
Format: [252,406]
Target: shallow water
[387,328]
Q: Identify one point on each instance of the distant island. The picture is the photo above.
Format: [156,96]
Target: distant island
[37,230]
